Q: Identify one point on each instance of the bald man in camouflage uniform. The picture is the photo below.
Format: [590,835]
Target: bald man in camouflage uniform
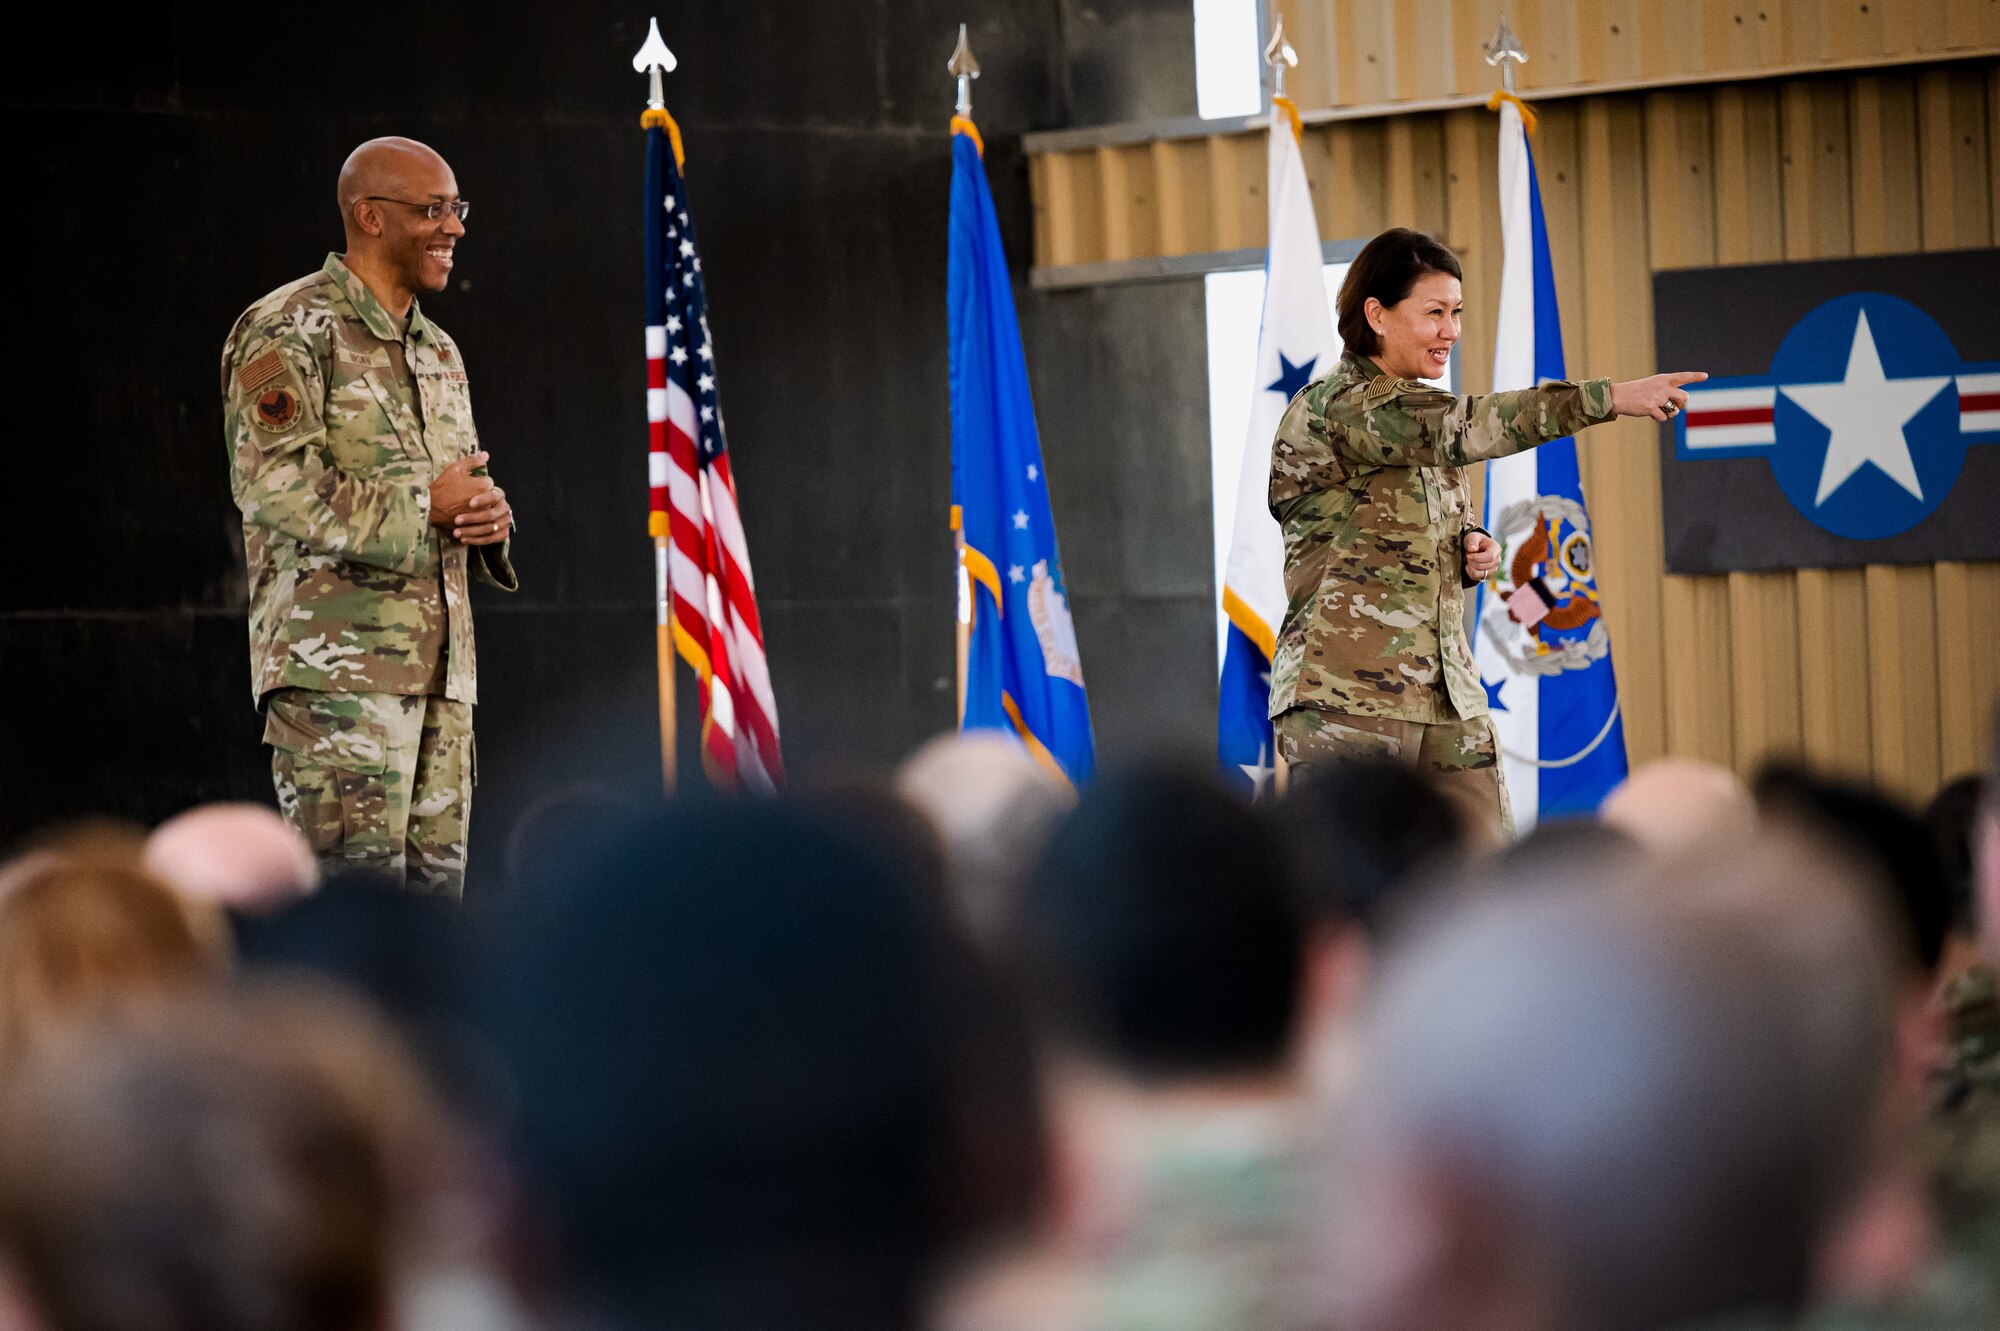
[366,508]
[1368,484]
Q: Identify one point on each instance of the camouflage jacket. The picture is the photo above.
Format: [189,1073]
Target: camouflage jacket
[1368,484]
[1961,1136]
[337,424]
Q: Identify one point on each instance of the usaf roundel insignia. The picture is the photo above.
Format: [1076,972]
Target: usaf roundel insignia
[1854,418]
[276,409]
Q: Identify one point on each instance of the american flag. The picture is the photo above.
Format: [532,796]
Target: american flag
[704,578]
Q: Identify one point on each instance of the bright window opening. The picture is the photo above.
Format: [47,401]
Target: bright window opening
[1228,76]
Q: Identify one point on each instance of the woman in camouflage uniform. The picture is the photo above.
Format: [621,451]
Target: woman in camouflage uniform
[1368,483]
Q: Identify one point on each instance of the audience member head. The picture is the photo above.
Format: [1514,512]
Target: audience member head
[1888,841]
[403,951]
[1360,834]
[993,807]
[1160,935]
[1582,1109]
[1864,1034]
[993,1113]
[1952,819]
[1674,804]
[1567,846]
[554,823]
[722,1028]
[240,856]
[1364,841]
[226,1166]
[81,937]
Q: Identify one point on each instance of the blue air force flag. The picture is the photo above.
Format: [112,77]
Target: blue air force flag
[1549,681]
[1295,344]
[1023,673]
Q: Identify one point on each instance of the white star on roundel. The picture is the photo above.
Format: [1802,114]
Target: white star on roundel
[1259,772]
[1021,520]
[1866,413]
[1015,573]
[1034,472]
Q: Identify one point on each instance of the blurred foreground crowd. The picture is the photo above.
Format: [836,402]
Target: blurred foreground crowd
[967,1053]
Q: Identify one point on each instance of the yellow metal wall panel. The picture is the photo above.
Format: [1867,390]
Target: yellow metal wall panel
[1621,459]
[1472,24]
[1348,199]
[1681,193]
[1309,28]
[1364,50]
[1424,64]
[1370,52]
[1173,210]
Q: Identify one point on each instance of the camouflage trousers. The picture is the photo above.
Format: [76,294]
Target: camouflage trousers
[1461,754]
[380,781]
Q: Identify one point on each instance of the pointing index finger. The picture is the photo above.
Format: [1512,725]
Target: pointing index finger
[1687,377]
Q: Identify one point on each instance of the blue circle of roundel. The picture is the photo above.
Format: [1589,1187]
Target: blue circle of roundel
[1831,347]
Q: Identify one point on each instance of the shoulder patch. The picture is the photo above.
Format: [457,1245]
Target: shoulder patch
[276,409]
[260,371]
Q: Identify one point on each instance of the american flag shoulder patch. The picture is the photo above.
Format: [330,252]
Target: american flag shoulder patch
[260,371]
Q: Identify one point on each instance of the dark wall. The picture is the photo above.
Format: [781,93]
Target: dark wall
[184,161]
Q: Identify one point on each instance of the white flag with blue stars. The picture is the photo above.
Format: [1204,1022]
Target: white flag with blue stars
[1295,345]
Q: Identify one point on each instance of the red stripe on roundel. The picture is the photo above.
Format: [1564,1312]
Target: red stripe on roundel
[1737,416]
[1978,402]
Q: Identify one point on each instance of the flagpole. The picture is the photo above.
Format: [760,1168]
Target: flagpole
[1279,55]
[653,57]
[963,70]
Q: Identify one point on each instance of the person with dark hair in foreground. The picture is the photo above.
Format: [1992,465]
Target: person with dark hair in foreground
[1368,482]
[1365,840]
[1161,949]
[723,1032]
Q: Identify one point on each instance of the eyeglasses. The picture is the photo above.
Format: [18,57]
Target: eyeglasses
[435,209]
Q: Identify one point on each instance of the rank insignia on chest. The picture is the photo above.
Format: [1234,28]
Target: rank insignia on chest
[276,409]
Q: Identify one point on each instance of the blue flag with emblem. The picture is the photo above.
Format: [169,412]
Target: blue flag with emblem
[1539,636]
[1023,673]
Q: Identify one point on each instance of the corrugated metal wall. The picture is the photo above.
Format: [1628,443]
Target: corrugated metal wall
[1890,672]
[1365,52]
